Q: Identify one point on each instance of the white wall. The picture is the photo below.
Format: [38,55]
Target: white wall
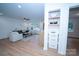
[7,25]
[63,30]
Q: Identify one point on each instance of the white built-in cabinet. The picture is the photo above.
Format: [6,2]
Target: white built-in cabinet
[53,39]
[53,28]
[56,26]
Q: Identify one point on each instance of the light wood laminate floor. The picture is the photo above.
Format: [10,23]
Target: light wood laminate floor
[25,47]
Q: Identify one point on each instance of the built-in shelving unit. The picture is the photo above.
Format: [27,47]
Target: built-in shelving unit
[54,18]
[53,26]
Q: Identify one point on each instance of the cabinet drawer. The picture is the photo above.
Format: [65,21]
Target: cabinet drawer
[53,34]
[51,37]
[53,42]
[53,46]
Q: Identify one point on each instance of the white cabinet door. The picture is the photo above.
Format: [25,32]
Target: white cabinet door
[53,39]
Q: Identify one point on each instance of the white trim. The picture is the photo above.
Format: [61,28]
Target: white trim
[63,30]
[45,29]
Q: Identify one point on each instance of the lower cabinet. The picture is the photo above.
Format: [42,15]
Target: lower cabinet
[53,39]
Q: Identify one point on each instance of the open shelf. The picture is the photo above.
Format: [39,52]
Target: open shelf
[54,11]
[54,18]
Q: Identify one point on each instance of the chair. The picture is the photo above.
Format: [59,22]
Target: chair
[15,36]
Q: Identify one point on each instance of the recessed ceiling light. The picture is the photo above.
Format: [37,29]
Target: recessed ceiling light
[1,14]
[19,6]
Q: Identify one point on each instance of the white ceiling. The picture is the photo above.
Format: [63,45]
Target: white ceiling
[33,11]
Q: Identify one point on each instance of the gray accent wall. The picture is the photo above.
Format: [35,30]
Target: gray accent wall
[7,25]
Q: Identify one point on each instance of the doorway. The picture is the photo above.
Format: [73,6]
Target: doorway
[73,32]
